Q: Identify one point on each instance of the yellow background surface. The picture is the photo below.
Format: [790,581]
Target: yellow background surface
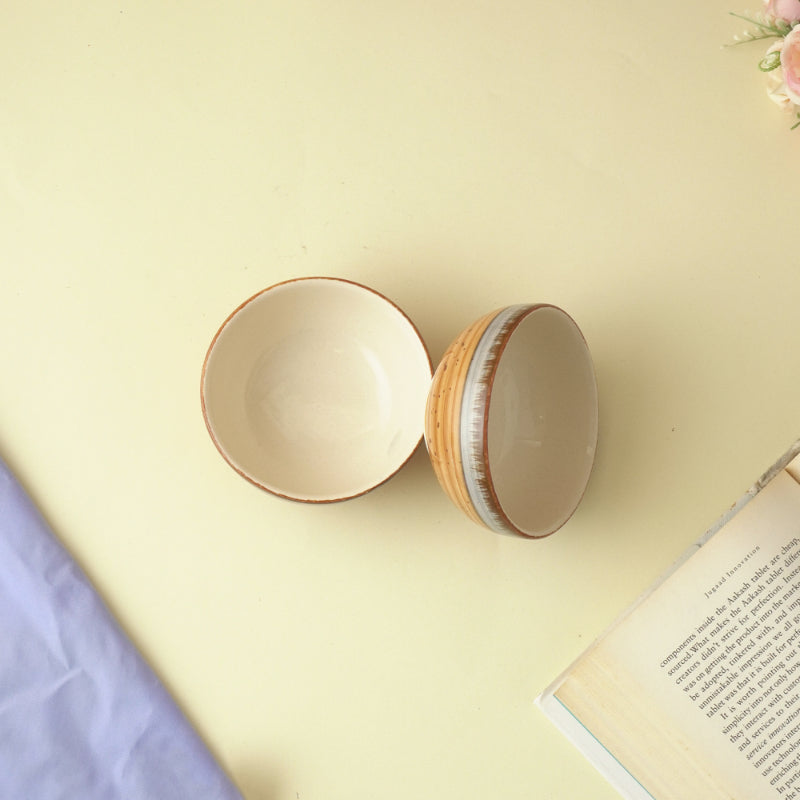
[161,162]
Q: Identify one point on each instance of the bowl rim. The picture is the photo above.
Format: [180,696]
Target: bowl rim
[494,361]
[204,408]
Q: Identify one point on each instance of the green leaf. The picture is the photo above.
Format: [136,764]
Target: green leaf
[765,27]
[770,61]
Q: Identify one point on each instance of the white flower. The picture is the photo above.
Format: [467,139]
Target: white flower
[776,85]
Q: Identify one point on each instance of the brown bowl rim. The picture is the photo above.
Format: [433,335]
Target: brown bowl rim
[496,505]
[204,409]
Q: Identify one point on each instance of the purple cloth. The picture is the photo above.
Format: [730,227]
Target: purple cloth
[82,716]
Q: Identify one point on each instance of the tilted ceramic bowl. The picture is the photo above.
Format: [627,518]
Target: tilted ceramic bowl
[315,389]
[512,419]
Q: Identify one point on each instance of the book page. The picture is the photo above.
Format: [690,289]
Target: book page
[697,692]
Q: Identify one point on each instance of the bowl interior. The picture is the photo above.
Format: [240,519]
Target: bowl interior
[315,389]
[542,422]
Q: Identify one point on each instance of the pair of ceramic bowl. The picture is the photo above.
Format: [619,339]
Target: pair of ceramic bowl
[321,389]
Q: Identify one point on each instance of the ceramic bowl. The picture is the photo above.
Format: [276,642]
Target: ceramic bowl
[511,420]
[315,389]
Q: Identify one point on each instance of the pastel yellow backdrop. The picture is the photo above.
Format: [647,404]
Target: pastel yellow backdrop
[161,162]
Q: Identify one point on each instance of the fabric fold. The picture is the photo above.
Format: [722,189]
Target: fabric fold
[82,715]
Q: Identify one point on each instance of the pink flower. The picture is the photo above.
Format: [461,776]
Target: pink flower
[790,64]
[784,9]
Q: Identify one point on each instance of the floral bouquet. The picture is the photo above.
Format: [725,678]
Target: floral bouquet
[780,20]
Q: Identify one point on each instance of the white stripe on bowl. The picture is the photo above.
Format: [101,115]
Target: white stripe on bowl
[474,408]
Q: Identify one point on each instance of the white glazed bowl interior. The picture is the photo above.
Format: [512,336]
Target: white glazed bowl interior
[542,424]
[315,389]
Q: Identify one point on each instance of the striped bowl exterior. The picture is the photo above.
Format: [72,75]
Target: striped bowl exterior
[443,415]
[457,414]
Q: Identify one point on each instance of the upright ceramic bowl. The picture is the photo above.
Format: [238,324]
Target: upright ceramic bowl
[315,389]
[511,420]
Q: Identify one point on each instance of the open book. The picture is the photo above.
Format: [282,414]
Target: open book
[694,693]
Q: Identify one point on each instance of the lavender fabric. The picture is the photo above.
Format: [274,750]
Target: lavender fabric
[81,713]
